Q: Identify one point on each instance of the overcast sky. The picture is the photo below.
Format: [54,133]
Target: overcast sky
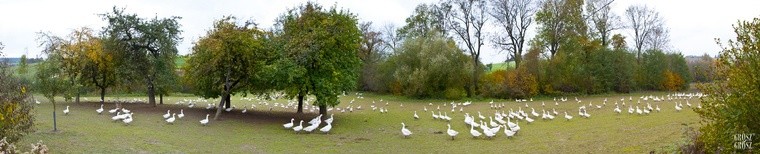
[693,24]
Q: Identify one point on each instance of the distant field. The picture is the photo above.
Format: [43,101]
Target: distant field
[501,66]
[363,130]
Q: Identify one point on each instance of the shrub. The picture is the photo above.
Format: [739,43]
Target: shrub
[429,66]
[731,105]
[16,117]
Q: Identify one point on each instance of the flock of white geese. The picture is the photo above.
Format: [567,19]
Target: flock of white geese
[495,123]
[487,126]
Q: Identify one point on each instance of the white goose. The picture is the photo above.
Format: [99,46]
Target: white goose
[474,132]
[100,110]
[329,120]
[167,114]
[117,117]
[311,127]
[171,119]
[326,129]
[617,109]
[128,119]
[405,131]
[299,127]
[416,116]
[181,114]
[488,133]
[289,125]
[678,108]
[113,110]
[509,133]
[66,111]
[316,120]
[657,108]
[568,117]
[204,122]
[451,132]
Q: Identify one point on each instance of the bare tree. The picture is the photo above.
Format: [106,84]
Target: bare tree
[602,19]
[513,17]
[643,21]
[390,37]
[371,42]
[659,39]
[467,18]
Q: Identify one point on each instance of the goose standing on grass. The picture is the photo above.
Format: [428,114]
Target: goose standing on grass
[568,117]
[125,110]
[167,114]
[299,127]
[100,110]
[451,132]
[509,132]
[181,114]
[289,125]
[329,120]
[36,101]
[204,122]
[405,131]
[617,109]
[311,128]
[128,119]
[326,129]
[117,117]
[416,116]
[66,111]
[171,119]
[488,133]
[678,108]
[113,110]
[473,132]
[657,108]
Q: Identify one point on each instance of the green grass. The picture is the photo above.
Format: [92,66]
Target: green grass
[362,131]
[501,66]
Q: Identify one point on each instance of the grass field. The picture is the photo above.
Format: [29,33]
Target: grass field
[360,131]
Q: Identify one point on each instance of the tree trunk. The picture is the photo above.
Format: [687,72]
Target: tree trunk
[219,108]
[225,92]
[102,95]
[475,77]
[300,103]
[323,109]
[151,95]
[55,124]
[227,100]
[78,94]
[161,99]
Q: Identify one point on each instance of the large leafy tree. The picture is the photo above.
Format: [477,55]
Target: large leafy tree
[146,48]
[230,59]
[561,24]
[324,44]
[427,19]
[730,107]
[99,67]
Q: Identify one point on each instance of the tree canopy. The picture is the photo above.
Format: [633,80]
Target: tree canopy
[145,48]
[231,59]
[324,44]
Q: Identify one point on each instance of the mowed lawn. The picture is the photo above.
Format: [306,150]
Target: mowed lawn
[361,131]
